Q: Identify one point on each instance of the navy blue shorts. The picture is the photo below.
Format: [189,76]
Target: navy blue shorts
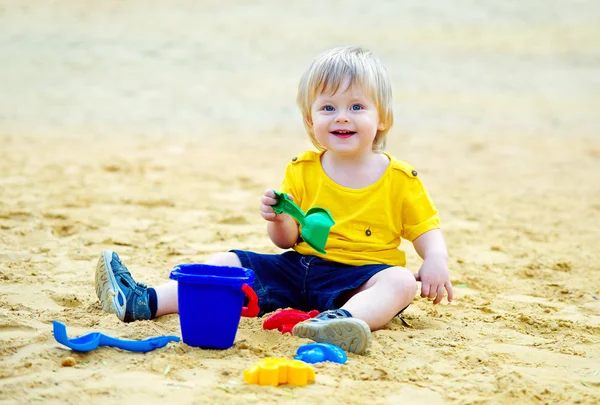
[292,280]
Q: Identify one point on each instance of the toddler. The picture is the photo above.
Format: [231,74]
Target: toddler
[361,283]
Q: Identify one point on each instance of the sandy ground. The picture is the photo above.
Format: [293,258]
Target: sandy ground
[152,128]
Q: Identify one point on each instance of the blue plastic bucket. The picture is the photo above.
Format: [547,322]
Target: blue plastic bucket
[211,300]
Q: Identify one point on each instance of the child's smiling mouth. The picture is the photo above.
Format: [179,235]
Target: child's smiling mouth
[342,133]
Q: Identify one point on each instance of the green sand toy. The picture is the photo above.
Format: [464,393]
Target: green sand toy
[315,224]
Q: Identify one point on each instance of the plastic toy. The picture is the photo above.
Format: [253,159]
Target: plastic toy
[285,319]
[274,371]
[92,340]
[211,300]
[316,223]
[318,352]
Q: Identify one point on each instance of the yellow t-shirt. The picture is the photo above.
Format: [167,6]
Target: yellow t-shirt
[370,221]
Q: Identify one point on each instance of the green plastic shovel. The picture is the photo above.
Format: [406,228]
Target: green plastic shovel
[315,224]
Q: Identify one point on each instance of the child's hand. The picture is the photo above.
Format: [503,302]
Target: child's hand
[435,278]
[266,202]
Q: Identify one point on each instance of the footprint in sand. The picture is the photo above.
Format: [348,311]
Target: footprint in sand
[66,300]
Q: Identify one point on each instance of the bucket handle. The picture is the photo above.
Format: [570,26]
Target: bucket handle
[252,309]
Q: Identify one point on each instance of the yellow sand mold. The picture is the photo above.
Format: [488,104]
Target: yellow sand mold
[274,371]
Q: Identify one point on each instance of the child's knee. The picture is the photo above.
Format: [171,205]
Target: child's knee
[402,281]
[225,259]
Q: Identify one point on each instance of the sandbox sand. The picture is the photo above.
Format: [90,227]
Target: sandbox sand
[152,128]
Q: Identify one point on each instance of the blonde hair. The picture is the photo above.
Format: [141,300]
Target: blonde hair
[327,73]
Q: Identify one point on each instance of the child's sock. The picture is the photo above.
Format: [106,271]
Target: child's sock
[152,302]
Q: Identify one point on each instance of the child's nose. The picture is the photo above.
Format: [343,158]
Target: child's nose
[341,117]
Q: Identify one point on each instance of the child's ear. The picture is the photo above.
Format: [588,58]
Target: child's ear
[381,126]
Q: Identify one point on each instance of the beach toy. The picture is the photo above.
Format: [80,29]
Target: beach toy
[285,319]
[92,340]
[316,223]
[211,301]
[274,371]
[318,352]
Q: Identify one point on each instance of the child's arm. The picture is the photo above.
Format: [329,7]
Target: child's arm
[433,274]
[282,229]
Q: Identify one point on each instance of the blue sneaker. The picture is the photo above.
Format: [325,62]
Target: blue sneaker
[117,290]
[337,327]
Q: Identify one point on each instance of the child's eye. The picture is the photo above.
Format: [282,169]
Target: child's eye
[328,108]
[356,107]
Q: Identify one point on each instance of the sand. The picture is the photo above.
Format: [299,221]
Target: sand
[152,128]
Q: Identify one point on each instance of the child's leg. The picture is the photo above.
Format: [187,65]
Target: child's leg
[119,293]
[384,295]
[370,306]
[166,294]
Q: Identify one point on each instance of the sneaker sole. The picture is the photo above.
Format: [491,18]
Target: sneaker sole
[107,289]
[351,334]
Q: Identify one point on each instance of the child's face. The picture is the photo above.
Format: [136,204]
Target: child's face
[347,121]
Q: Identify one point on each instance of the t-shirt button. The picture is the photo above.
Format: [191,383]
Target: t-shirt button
[368,232]
[294,158]
[414,173]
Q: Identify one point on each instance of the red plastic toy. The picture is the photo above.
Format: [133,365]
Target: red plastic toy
[252,309]
[285,319]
